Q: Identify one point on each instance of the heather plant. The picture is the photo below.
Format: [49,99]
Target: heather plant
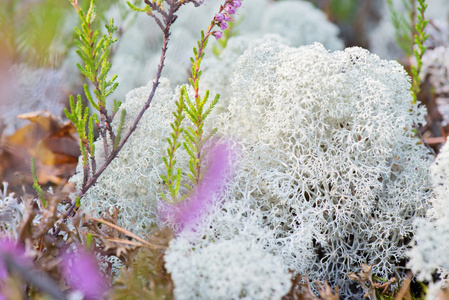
[404,24]
[195,111]
[95,52]
[411,36]
[434,61]
[195,140]
[420,37]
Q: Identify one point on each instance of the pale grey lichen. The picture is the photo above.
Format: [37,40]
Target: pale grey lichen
[11,212]
[226,269]
[431,242]
[329,150]
[218,70]
[261,21]
[301,23]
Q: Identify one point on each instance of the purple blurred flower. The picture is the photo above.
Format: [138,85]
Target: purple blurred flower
[217,34]
[236,3]
[219,17]
[81,270]
[223,25]
[230,9]
[214,180]
[9,247]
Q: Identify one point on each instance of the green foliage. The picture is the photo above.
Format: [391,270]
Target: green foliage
[118,137]
[95,52]
[30,31]
[220,44]
[419,38]
[173,179]
[115,106]
[88,241]
[195,138]
[403,24]
[79,117]
[36,185]
[344,9]
[146,9]
[197,113]
[411,35]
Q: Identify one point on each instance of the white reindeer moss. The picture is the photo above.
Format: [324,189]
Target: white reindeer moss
[429,253]
[312,25]
[329,174]
[11,213]
[230,269]
[329,149]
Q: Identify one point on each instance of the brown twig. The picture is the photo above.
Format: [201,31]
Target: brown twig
[124,231]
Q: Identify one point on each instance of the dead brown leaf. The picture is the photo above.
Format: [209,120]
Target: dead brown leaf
[52,144]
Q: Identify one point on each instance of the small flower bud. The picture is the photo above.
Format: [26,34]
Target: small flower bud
[223,25]
[217,34]
[236,3]
[219,17]
[229,9]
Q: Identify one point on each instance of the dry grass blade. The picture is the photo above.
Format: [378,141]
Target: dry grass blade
[126,232]
[404,292]
[117,240]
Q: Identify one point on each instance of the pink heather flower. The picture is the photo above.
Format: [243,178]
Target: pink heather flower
[227,18]
[223,25]
[236,3]
[213,182]
[219,17]
[81,270]
[229,9]
[217,34]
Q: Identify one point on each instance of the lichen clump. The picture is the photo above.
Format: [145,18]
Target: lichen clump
[331,174]
[228,269]
[431,242]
